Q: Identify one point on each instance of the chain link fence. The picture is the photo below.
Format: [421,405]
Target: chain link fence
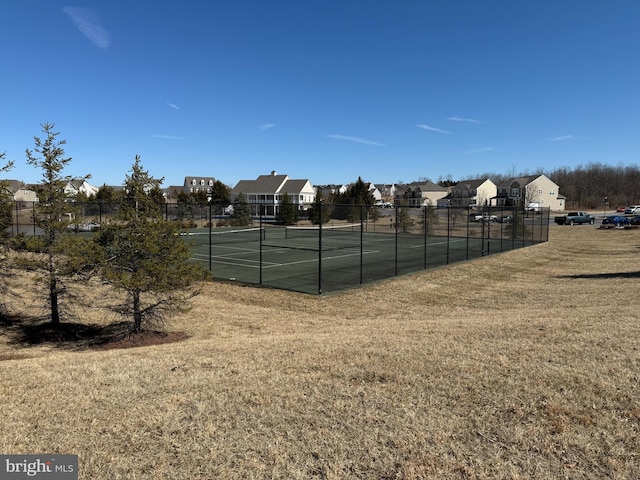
[329,247]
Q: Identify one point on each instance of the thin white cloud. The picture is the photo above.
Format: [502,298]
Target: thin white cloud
[173,105]
[433,129]
[480,150]
[266,126]
[167,137]
[87,21]
[466,120]
[356,140]
[561,138]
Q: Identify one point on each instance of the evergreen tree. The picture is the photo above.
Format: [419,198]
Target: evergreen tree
[241,216]
[429,218]
[146,257]
[348,203]
[6,204]
[319,212]
[287,213]
[404,220]
[220,194]
[52,214]
[6,212]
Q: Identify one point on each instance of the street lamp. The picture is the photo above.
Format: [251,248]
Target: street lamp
[606,204]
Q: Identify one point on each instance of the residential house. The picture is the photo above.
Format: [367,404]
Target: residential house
[268,190]
[471,193]
[172,192]
[375,192]
[76,186]
[530,191]
[388,191]
[198,184]
[21,193]
[420,194]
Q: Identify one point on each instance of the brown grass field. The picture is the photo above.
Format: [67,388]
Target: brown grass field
[519,365]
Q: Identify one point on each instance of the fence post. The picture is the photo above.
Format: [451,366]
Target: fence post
[468,215]
[425,228]
[210,239]
[320,205]
[361,242]
[261,207]
[448,230]
[396,234]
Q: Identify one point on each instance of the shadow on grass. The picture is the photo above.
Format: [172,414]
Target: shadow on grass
[26,332]
[603,276]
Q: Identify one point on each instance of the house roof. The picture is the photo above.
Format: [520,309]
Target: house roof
[427,186]
[188,180]
[263,184]
[14,185]
[293,186]
[519,181]
[470,184]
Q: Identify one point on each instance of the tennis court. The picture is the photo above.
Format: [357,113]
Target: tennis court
[318,260]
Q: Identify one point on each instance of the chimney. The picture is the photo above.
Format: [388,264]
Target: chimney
[273,173]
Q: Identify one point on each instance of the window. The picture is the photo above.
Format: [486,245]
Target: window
[202,183]
[193,182]
[552,192]
[515,192]
[539,191]
[211,183]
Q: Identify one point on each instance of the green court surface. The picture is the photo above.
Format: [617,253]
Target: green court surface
[298,260]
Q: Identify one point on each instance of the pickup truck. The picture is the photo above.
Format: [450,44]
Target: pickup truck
[573,218]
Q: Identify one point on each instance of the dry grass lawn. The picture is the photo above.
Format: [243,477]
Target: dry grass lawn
[519,365]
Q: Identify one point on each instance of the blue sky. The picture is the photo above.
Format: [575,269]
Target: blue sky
[326,90]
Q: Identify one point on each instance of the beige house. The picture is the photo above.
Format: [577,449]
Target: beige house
[268,191]
[420,194]
[21,193]
[533,191]
[471,193]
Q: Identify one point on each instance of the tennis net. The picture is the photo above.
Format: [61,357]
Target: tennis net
[327,231]
[217,237]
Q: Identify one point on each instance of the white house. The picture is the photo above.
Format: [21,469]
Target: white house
[268,191]
[74,187]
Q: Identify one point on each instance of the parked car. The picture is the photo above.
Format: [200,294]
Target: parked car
[505,219]
[573,218]
[621,209]
[635,220]
[615,221]
[632,209]
[485,217]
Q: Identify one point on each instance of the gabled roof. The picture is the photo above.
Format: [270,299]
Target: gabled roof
[14,185]
[263,184]
[519,181]
[189,180]
[293,186]
[427,186]
[470,184]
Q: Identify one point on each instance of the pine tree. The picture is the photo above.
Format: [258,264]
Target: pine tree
[319,211]
[146,257]
[287,213]
[6,203]
[241,216]
[6,212]
[52,214]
